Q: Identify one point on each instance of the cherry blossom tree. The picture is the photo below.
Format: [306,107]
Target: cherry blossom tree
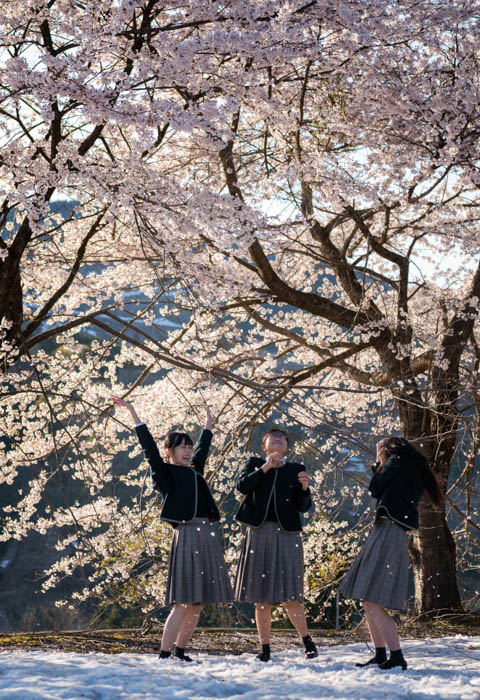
[288,184]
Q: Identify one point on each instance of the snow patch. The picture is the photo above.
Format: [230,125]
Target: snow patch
[438,668]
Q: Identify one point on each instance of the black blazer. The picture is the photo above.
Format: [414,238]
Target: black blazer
[282,485]
[177,484]
[398,488]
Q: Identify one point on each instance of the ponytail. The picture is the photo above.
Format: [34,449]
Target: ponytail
[431,486]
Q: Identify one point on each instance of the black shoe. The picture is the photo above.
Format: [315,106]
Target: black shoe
[379,658]
[310,648]
[373,660]
[396,659]
[180,654]
[265,653]
[164,654]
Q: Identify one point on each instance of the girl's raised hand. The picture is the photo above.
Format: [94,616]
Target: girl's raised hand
[381,453]
[120,402]
[208,418]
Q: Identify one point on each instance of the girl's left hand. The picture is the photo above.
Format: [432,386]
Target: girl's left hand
[120,402]
[208,418]
[304,480]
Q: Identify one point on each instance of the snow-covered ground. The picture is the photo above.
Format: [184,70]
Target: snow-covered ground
[438,668]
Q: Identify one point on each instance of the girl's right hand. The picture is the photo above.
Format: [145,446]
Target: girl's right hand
[122,402]
[381,452]
[274,461]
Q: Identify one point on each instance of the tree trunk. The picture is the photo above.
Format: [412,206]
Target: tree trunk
[432,550]
[11,309]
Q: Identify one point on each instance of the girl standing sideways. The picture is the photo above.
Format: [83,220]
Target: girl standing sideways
[270,570]
[379,575]
[197,572]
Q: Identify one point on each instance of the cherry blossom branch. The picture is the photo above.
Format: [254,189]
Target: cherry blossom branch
[59,293]
[283,292]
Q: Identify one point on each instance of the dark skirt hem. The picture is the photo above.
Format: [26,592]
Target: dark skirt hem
[271,567]
[197,572]
[379,574]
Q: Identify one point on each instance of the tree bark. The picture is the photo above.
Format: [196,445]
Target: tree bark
[11,305]
[433,554]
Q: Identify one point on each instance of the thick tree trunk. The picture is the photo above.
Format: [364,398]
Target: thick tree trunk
[11,309]
[432,550]
[11,293]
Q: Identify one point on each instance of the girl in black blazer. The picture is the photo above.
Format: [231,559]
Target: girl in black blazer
[197,573]
[379,575]
[270,570]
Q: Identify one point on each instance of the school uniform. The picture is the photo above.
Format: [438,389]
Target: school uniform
[379,574]
[197,572]
[271,566]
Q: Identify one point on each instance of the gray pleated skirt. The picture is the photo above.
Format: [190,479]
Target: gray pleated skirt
[379,574]
[271,565]
[197,572]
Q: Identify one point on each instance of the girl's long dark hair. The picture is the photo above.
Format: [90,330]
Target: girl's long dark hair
[400,446]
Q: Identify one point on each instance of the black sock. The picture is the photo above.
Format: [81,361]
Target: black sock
[380,654]
[310,648]
[164,654]
[379,658]
[396,659]
[180,654]
[265,655]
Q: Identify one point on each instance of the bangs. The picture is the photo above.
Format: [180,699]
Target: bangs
[175,439]
[277,432]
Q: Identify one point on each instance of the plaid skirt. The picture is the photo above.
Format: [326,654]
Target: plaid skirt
[270,569]
[197,572]
[379,574]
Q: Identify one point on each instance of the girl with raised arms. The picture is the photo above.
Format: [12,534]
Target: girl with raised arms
[271,568]
[379,574]
[197,572]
